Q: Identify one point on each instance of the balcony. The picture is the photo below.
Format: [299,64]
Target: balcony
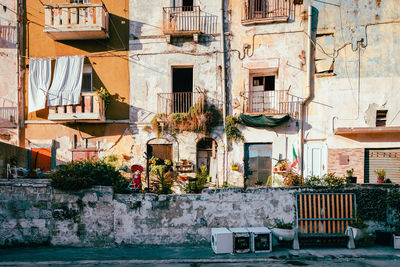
[265,11]
[278,102]
[8,117]
[76,21]
[182,21]
[168,103]
[91,109]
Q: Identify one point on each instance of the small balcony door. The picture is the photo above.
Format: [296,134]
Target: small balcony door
[182,89]
[258,162]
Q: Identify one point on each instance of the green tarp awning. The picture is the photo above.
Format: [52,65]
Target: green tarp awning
[262,120]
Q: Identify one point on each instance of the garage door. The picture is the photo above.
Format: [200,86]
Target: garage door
[387,159]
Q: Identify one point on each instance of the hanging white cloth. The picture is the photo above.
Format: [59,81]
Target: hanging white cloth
[67,82]
[39,83]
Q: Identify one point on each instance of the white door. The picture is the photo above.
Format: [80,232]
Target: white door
[316,158]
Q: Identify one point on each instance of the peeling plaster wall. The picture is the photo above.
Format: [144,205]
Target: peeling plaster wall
[278,48]
[32,212]
[350,98]
[8,66]
[152,59]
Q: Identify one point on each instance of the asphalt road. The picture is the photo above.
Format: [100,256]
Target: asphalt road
[196,256]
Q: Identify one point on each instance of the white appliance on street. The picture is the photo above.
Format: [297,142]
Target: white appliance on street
[241,240]
[221,240]
[261,239]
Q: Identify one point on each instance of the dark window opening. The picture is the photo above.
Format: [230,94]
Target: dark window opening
[324,63]
[87,78]
[187,5]
[381,118]
[267,82]
[182,89]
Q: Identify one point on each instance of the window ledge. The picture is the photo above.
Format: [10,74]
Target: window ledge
[322,75]
[246,22]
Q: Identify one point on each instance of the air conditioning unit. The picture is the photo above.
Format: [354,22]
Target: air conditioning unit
[261,239]
[221,240]
[241,240]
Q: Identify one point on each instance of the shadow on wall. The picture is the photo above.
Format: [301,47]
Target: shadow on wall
[8,35]
[119,40]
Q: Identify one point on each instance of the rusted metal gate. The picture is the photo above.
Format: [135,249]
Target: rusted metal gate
[387,159]
[325,213]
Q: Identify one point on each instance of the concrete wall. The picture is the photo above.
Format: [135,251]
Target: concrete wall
[8,67]
[110,64]
[32,212]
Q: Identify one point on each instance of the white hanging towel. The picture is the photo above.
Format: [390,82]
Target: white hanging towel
[67,82]
[39,83]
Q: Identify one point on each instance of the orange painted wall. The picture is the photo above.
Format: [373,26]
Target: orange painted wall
[110,71]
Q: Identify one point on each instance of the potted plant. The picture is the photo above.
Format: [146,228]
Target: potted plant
[381,175]
[355,228]
[396,238]
[259,183]
[283,231]
[350,178]
[235,166]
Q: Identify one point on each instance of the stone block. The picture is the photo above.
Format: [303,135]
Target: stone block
[32,214]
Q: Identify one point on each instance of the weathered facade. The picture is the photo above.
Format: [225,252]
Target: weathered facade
[176,66]
[333,63]
[99,124]
[266,76]
[353,107]
[9,72]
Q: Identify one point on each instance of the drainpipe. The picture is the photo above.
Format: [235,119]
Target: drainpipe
[307,99]
[20,72]
[224,94]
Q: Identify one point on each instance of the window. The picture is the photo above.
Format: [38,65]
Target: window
[324,63]
[381,118]
[80,1]
[265,11]
[87,78]
[187,5]
[267,83]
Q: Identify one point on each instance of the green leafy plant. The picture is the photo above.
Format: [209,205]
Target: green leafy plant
[105,95]
[313,181]
[331,179]
[350,172]
[200,118]
[292,179]
[282,225]
[358,222]
[163,182]
[372,204]
[393,200]
[231,128]
[259,183]
[79,175]
[380,172]
[225,185]
[198,184]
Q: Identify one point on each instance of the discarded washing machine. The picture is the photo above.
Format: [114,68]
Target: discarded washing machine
[261,239]
[221,240]
[241,240]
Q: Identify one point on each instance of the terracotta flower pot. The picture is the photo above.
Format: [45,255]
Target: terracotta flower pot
[381,180]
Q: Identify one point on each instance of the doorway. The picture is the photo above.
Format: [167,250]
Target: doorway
[182,89]
[257,162]
[207,156]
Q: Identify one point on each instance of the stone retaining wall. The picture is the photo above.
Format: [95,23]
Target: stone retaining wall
[32,212]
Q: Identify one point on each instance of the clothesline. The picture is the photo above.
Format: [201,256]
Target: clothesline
[85,55]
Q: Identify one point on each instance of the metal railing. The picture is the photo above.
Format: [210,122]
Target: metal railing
[277,102]
[91,107]
[180,20]
[168,103]
[70,17]
[265,10]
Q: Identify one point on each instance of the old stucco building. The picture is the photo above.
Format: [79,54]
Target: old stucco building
[96,32]
[177,64]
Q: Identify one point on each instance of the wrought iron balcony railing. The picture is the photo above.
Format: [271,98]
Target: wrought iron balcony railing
[277,102]
[183,20]
[168,103]
[265,11]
